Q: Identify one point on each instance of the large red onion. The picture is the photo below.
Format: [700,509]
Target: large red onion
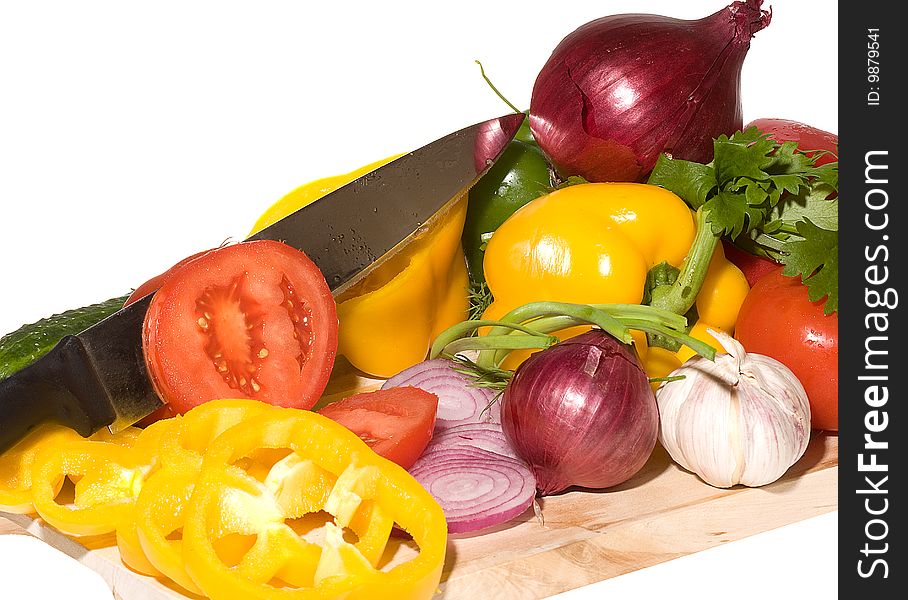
[622,89]
[581,413]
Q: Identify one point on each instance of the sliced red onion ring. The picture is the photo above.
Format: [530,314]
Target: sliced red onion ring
[485,436]
[476,488]
[459,402]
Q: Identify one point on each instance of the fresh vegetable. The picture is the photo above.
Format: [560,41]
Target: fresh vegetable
[521,174]
[621,90]
[30,342]
[16,466]
[529,326]
[758,190]
[388,320]
[107,478]
[248,320]
[778,319]
[468,466]
[179,445]
[741,419]
[813,142]
[239,484]
[396,423]
[477,488]
[581,413]
[365,493]
[595,243]
[485,436]
[458,401]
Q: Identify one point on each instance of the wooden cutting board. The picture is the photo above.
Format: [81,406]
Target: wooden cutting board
[572,539]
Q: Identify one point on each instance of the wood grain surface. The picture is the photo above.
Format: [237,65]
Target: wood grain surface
[569,540]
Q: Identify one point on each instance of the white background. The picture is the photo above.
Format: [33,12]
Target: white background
[134,134]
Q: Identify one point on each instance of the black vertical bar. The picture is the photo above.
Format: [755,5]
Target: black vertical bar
[872,262]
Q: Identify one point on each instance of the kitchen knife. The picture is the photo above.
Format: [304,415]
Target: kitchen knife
[98,378]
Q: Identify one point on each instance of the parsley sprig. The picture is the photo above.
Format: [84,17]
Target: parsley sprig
[769,198]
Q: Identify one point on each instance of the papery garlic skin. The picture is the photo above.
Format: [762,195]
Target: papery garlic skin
[743,419]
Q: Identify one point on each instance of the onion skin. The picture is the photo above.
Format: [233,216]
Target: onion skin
[581,413]
[622,89]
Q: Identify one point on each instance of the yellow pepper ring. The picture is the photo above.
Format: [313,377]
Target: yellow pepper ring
[227,502]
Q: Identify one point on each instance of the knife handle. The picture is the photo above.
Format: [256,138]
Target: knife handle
[61,386]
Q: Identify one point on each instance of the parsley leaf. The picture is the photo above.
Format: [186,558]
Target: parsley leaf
[768,198]
[814,256]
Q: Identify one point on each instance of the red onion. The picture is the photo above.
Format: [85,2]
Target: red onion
[469,467]
[622,89]
[486,436]
[581,412]
[458,401]
[476,488]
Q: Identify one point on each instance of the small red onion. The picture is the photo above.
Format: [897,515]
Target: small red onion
[476,488]
[581,413]
[459,402]
[622,89]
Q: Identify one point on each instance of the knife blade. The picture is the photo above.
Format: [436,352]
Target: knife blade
[353,230]
[97,378]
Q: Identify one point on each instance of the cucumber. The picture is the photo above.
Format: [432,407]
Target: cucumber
[30,342]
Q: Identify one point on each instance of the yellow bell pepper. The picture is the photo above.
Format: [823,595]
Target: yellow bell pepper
[594,244]
[388,321]
[327,478]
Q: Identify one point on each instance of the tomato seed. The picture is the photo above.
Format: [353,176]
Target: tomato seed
[263,353]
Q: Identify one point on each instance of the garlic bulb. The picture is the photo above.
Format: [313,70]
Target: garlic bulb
[741,419]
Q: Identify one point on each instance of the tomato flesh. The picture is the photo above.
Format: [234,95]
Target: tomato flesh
[396,423]
[250,320]
[778,319]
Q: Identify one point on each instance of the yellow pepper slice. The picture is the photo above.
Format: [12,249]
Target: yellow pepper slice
[106,477]
[16,466]
[179,443]
[231,505]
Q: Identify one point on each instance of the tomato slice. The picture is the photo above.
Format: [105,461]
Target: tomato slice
[249,320]
[396,423]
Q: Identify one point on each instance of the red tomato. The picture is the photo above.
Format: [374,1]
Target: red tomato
[158,280]
[777,319]
[396,423]
[248,320]
[807,137]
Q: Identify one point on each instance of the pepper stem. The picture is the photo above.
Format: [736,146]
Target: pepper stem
[681,295]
